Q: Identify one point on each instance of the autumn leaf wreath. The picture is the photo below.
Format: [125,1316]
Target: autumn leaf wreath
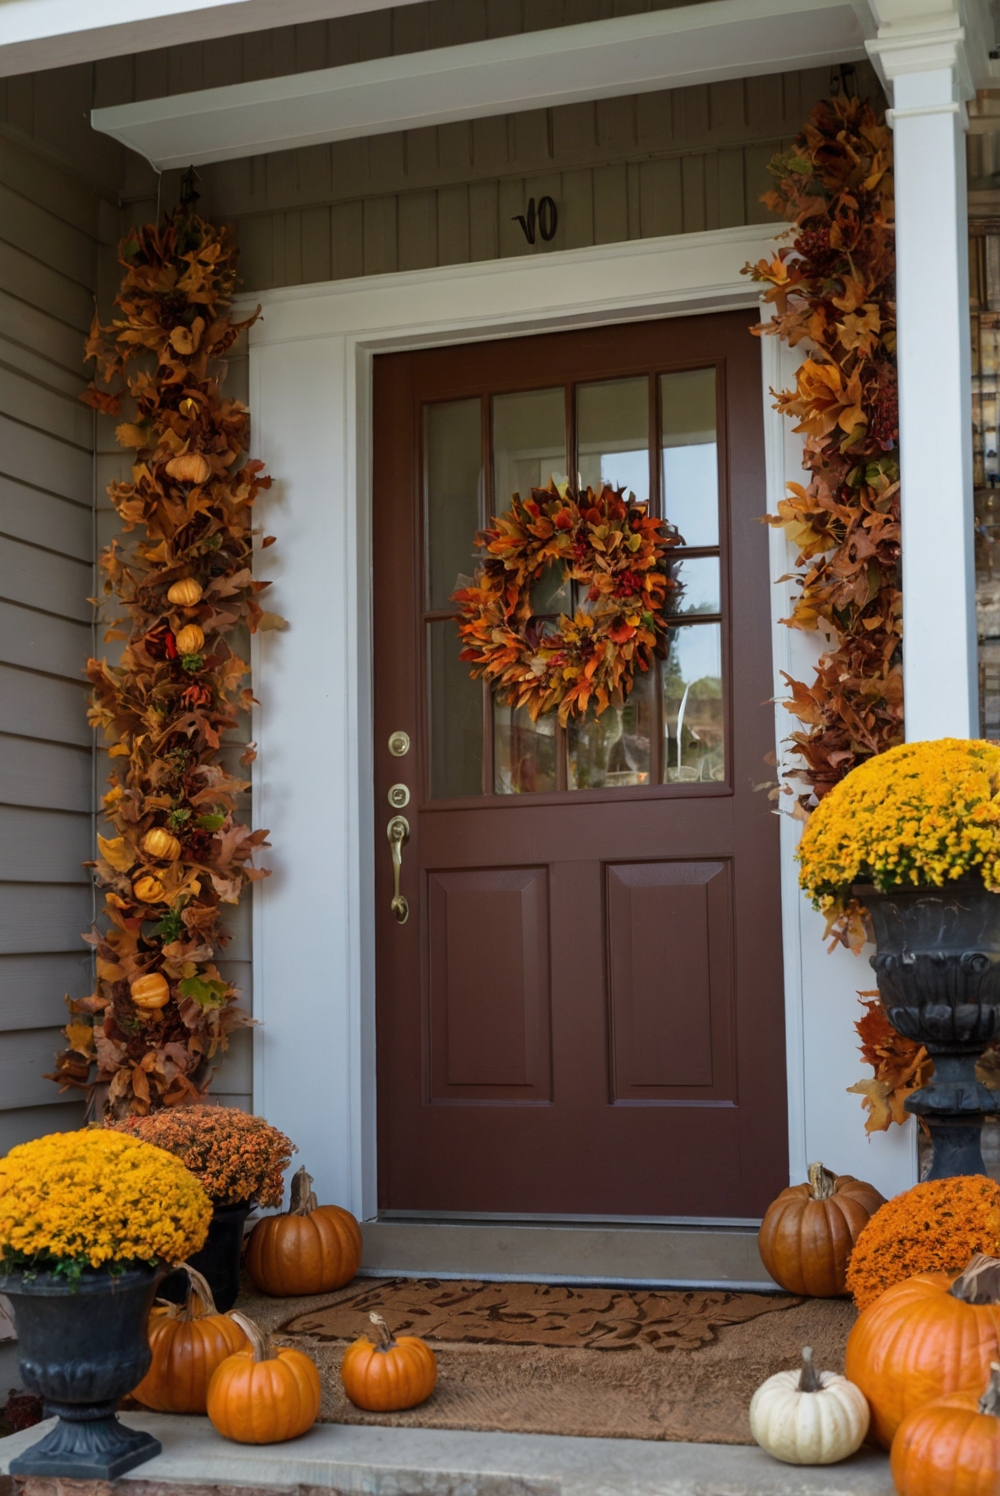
[616,551]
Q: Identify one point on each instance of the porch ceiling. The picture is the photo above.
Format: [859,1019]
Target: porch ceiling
[693,44]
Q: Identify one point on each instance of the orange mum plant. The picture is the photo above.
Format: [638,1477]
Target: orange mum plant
[833,290]
[612,547]
[176,853]
[935,1227]
[235,1156]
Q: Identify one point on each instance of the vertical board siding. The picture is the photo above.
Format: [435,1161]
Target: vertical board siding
[49,255]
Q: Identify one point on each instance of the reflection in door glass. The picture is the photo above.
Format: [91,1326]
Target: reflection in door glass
[699,577]
[690,457]
[694,743]
[524,752]
[453,467]
[613,749]
[612,424]
[529,443]
[456,716]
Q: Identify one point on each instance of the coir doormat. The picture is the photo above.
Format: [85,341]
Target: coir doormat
[547,1359]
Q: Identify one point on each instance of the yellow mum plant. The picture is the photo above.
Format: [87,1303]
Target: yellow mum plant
[914,817]
[74,1200]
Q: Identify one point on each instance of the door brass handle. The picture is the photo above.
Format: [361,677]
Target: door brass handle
[398,832]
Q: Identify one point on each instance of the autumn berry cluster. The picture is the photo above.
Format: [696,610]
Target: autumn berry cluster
[936,1227]
[75,1200]
[234,1155]
[833,289]
[609,545]
[177,853]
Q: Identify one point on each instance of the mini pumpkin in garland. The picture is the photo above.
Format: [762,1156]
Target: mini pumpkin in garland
[925,1338]
[809,1231]
[261,1395]
[188,1343]
[951,1444]
[312,1248]
[393,1373]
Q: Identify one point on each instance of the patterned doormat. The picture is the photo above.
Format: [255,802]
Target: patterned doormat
[541,1359]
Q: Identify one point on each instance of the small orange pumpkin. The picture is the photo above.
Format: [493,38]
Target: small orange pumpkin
[187,592]
[188,1344]
[312,1249]
[808,1233]
[390,1375]
[190,467]
[160,844]
[189,639]
[149,890]
[150,992]
[924,1339]
[951,1445]
[261,1395]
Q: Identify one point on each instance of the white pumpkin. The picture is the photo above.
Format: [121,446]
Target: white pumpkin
[809,1417]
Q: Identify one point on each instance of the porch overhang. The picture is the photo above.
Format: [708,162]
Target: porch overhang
[692,44]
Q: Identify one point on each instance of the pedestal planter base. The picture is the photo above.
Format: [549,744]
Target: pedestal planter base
[86,1444]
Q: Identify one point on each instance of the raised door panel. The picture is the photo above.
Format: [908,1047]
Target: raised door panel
[489,984]
[670,980]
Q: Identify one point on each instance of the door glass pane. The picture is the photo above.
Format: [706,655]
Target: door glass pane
[524,752]
[699,576]
[456,716]
[613,749]
[529,443]
[612,430]
[453,465]
[694,745]
[689,454]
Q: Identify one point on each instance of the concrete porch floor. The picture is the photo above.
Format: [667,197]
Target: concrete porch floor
[364,1461]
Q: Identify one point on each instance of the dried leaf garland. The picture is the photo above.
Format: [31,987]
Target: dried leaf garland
[833,290]
[606,542]
[177,853]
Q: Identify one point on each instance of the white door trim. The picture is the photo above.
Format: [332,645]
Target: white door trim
[310,381]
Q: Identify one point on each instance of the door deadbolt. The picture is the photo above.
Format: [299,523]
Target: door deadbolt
[399,744]
[399,796]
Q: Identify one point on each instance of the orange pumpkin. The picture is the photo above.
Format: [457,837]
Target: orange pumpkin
[808,1233]
[390,1375]
[160,844]
[189,639]
[188,1344]
[951,1445]
[187,592]
[148,889]
[924,1339]
[262,1396]
[150,992]
[312,1249]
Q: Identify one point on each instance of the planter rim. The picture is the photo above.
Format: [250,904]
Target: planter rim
[93,1280]
[230,1207]
[972,884]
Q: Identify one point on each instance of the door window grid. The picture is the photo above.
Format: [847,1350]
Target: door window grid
[672,727]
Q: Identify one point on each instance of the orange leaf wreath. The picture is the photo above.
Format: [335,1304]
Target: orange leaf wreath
[609,544]
[176,853]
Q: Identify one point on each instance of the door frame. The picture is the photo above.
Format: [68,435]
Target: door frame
[313,938]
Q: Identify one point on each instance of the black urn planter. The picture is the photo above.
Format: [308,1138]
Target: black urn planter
[218,1261]
[937,965]
[82,1348]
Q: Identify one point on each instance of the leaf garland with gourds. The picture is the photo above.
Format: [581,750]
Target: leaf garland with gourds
[161,1010]
[833,291]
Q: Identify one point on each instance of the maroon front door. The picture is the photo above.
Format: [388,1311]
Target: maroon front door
[582,1012]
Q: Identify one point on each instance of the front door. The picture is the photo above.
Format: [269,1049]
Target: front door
[582,1012]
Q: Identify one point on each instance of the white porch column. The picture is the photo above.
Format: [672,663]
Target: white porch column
[920,51]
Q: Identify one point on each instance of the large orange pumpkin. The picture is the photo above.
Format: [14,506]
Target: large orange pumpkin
[188,1344]
[923,1339]
[951,1445]
[390,1375]
[809,1231]
[312,1249]
[261,1395]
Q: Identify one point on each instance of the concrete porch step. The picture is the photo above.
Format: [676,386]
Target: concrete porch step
[375,1461]
[641,1254]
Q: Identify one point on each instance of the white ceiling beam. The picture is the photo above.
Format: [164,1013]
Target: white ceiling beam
[701,43]
[36,34]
